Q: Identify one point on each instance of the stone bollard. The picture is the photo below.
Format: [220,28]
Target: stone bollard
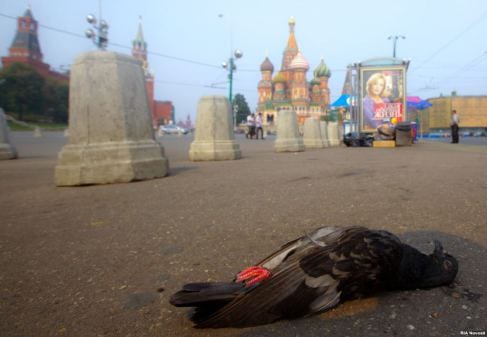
[288,139]
[324,133]
[312,134]
[37,132]
[110,130]
[7,151]
[341,134]
[333,133]
[214,138]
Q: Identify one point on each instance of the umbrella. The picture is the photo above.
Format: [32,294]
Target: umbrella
[423,105]
[413,99]
[415,102]
[342,101]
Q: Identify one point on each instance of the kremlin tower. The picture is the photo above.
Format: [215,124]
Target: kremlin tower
[25,48]
[289,88]
[139,51]
[162,111]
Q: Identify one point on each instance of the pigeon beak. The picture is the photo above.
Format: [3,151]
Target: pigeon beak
[439,251]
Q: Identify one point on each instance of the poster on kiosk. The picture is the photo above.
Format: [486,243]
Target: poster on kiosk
[382,94]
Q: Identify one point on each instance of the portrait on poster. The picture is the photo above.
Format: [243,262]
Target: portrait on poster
[382,97]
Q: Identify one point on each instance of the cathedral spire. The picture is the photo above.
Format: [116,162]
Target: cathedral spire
[291,42]
[291,48]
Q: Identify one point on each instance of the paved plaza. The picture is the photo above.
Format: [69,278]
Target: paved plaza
[103,260]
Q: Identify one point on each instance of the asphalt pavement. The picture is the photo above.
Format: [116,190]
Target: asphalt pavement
[103,260]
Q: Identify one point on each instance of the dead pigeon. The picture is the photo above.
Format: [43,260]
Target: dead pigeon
[313,274]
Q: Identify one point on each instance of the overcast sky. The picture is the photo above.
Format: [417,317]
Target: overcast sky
[188,40]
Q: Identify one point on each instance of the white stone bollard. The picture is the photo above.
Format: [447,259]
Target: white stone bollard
[312,134]
[110,130]
[288,139]
[7,150]
[37,132]
[341,133]
[214,138]
[333,133]
[324,133]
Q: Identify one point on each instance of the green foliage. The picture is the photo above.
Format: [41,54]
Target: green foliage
[21,89]
[15,126]
[19,127]
[26,93]
[56,96]
[243,108]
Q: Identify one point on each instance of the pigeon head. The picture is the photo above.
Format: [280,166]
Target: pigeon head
[441,268]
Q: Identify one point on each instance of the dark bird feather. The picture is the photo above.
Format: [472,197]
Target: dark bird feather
[314,273]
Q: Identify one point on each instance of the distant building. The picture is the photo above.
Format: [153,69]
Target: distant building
[162,111]
[289,88]
[25,48]
[472,111]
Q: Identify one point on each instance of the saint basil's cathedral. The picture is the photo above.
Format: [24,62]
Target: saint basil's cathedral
[289,88]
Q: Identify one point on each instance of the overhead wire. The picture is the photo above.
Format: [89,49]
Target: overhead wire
[153,53]
[63,31]
[448,43]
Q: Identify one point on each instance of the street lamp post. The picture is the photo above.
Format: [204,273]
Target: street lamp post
[99,33]
[395,38]
[231,67]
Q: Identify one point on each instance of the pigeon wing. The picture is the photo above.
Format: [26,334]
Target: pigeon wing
[289,293]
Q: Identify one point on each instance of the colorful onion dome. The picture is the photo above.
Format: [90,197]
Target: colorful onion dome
[322,70]
[279,78]
[314,81]
[299,62]
[267,65]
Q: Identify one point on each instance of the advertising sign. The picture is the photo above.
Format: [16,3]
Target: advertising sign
[382,95]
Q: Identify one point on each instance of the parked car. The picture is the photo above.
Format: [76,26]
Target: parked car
[172,129]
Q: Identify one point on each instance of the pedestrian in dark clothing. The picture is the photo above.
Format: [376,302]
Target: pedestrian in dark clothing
[455,121]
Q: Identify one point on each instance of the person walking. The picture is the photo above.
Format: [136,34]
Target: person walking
[455,121]
[258,126]
[250,126]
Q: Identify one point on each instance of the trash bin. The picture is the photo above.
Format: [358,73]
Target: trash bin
[403,134]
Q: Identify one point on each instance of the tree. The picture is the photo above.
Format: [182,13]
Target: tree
[243,108]
[21,89]
[56,96]
[25,91]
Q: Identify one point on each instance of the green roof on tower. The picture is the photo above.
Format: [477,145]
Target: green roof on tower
[322,70]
